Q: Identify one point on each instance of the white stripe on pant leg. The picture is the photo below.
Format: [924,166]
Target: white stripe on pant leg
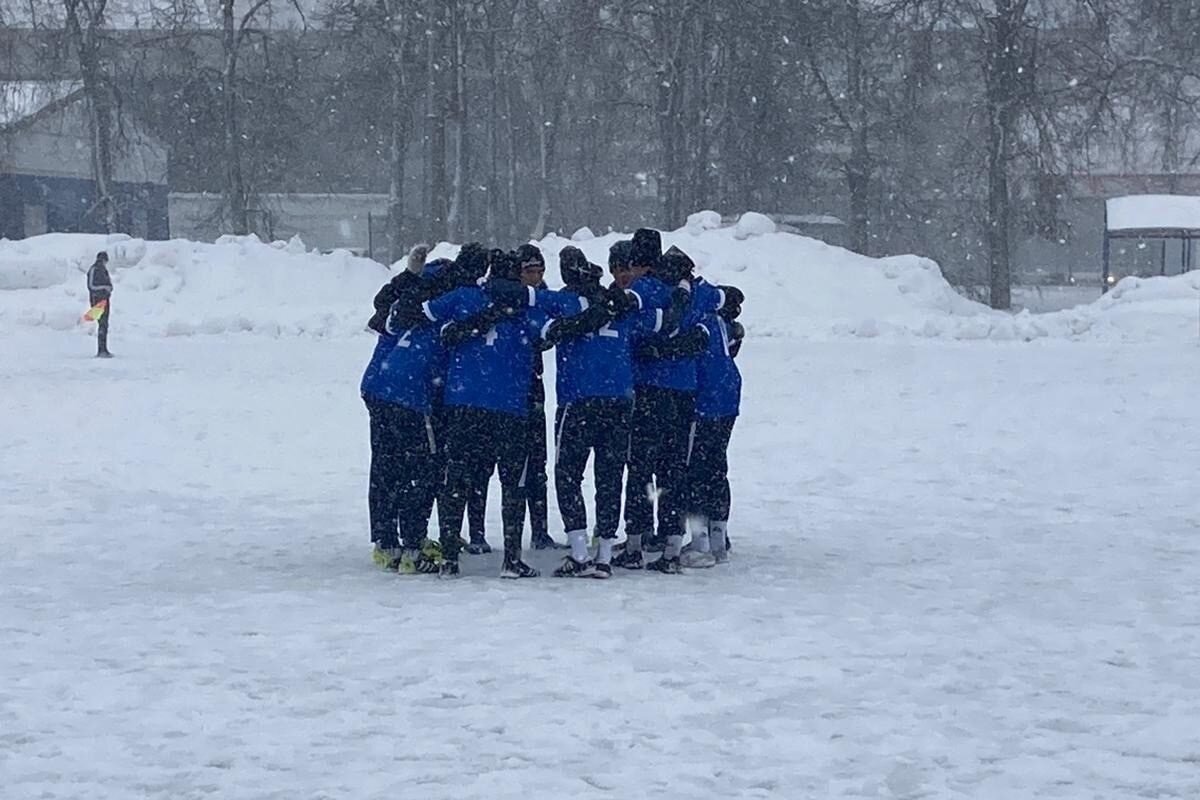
[562,423]
[691,443]
[524,472]
[429,436]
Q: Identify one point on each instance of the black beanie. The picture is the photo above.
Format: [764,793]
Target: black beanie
[619,254]
[471,263]
[674,266]
[505,266]
[575,267]
[647,248]
[528,252]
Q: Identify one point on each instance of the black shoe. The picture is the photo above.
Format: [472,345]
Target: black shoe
[654,544]
[630,559]
[104,354]
[448,570]
[601,571]
[546,542]
[518,569]
[425,565]
[574,569]
[478,546]
[665,565]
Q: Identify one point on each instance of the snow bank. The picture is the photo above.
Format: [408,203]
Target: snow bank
[180,287]
[796,286]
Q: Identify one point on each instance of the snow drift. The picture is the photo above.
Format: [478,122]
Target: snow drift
[181,287]
[796,286]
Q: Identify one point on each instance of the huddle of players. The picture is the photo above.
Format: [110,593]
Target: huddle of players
[646,381]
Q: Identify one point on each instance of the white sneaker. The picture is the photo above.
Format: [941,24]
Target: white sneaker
[694,559]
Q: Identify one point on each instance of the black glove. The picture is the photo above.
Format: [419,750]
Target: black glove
[618,301]
[729,312]
[736,334]
[590,321]
[673,314]
[733,295]
[685,345]
[477,325]
[406,288]
[405,315]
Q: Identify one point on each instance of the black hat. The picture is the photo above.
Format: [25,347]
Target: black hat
[102,256]
[471,263]
[576,268]
[674,266]
[527,253]
[505,266]
[647,248]
[619,254]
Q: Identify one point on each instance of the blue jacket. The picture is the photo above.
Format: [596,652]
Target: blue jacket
[403,368]
[373,386]
[674,373]
[600,364]
[719,381]
[493,372]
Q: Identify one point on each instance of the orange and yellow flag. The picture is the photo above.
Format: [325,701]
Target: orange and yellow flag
[95,312]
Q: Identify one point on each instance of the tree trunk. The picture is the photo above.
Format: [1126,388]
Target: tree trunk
[1003,77]
[397,152]
[545,153]
[510,184]
[436,121]
[858,182]
[493,143]
[456,220]
[859,167]
[99,105]
[235,186]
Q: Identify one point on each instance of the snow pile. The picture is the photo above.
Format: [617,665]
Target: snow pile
[753,224]
[1137,309]
[703,221]
[181,287]
[796,286]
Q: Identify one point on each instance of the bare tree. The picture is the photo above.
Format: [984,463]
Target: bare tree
[85,21]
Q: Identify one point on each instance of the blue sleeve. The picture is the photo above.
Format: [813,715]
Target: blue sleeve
[456,305]
[648,321]
[651,293]
[706,298]
[559,304]
[537,321]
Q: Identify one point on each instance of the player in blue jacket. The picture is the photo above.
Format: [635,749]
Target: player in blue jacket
[441,275]
[718,402]
[533,269]
[396,388]
[665,397]
[492,330]
[594,385]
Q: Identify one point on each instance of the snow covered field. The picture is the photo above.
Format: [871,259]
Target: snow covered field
[961,569]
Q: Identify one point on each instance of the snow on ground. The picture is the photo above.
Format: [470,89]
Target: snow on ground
[960,570]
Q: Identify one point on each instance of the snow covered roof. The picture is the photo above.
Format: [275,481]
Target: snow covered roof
[20,100]
[1154,212]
